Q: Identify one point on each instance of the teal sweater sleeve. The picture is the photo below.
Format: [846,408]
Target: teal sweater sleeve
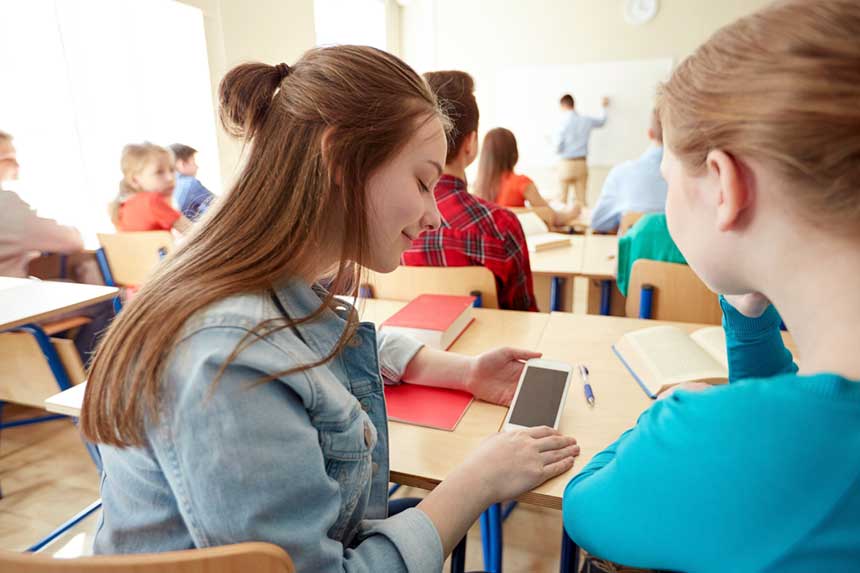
[653,497]
[754,345]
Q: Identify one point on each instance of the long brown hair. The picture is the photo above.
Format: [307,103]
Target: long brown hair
[499,155]
[134,159]
[781,86]
[317,133]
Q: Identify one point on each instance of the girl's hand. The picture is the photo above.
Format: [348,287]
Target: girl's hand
[493,375]
[509,464]
[751,305]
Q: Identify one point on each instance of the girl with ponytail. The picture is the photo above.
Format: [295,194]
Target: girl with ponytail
[234,399]
[762,158]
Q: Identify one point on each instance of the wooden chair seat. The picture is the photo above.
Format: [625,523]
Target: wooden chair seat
[238,558]
[56,327]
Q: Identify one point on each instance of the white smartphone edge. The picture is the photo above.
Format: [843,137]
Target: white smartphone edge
[548,365]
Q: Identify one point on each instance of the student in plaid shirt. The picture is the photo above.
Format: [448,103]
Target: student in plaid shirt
[473,232]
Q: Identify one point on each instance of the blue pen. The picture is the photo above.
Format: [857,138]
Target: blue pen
[589,394]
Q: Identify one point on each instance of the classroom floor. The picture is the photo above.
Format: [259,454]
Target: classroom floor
[47,476]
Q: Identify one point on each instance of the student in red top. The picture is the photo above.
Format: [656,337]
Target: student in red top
[498,183]
[473,232]
[143,201]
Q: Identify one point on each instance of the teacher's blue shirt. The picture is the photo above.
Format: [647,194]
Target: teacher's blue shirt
[575,133]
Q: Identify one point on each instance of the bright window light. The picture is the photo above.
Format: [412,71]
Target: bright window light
[82,78]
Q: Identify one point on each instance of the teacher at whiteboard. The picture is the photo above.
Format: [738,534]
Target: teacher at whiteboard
[572,147]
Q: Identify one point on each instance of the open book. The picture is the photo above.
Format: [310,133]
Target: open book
[662,356]
[537,234]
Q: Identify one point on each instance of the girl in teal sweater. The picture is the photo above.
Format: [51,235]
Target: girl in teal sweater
[762,127]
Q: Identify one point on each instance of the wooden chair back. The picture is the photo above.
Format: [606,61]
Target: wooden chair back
[628,220]
[26,377]
[238,558]
[132,256]
[679,294]
[406,283]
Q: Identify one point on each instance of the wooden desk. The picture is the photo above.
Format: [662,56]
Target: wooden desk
[554,270]
[26,300]
[588,339]
[599,263]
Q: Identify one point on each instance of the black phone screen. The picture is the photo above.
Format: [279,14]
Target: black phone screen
[539,398]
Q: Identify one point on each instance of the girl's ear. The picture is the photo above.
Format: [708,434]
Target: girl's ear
[735,189]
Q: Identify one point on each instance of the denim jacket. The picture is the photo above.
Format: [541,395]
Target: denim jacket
[301,462]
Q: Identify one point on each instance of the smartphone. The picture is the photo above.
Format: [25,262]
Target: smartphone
[540,396]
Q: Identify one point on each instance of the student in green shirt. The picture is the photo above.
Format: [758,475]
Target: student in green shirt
[762,158]
[648,239]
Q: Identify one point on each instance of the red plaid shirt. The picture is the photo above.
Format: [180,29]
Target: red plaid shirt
[475,232]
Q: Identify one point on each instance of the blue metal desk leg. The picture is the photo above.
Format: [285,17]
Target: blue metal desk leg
[605,297]
[556,289]
[569,554]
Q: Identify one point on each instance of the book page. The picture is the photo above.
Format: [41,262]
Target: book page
[673,357]
[713,340]
[532,224]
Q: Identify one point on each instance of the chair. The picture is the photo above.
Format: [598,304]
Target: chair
[127,259]
[238,558]
[628,220]
[670,291]
[406,283]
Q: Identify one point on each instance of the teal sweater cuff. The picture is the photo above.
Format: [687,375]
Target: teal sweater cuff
[744,327]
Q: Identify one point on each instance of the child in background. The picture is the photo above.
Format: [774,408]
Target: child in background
[473,232]
[498,183]
[23,234]
[762,158]
[633,186]
[190,195]
[143,202]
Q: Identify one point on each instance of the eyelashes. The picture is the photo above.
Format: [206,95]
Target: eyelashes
[423,187]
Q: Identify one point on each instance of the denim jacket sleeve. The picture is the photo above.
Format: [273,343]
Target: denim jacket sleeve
[396,351]
[250,462]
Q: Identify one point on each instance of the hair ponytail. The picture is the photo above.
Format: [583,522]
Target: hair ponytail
[245,97]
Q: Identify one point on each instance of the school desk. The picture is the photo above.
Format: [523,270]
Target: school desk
[553,271]
[24,301]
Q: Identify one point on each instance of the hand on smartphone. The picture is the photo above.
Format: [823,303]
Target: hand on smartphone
[509,464]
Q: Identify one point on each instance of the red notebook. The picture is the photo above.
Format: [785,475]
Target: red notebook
[439,408]
[434,319]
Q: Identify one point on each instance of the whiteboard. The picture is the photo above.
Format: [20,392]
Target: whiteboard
[526,102]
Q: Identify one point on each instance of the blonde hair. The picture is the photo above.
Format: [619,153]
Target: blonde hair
[135,158]
[293,193]
[781,86]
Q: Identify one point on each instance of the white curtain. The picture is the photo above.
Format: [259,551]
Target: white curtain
[79,79]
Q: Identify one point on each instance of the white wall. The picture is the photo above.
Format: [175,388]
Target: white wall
[483,37]
[269,31]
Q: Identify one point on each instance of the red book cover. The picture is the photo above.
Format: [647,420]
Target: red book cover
[431,312]
[439,408]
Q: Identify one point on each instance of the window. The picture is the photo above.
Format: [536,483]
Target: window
[83,78]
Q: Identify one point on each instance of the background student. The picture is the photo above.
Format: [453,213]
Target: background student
[762,133]
[474,232]
[497,182]
[633,186]
[572,148]
[143,201]
[190,195]
[648,239]
[242,396]
[23,234]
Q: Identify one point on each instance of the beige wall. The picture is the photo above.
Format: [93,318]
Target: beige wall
[484,36]
[237,31]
